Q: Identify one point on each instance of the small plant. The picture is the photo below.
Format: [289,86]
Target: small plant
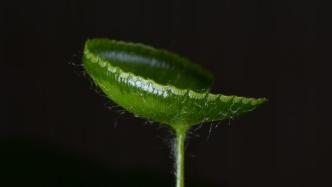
[160,86]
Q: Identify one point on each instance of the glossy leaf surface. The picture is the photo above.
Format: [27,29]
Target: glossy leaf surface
[159,85]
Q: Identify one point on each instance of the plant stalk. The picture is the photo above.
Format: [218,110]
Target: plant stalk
[179,154]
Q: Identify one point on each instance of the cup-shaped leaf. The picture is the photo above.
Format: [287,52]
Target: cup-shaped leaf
[159,85]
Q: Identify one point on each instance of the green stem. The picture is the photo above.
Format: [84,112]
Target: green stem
[179,154]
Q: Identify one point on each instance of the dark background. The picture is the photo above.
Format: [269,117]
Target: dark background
[57,131]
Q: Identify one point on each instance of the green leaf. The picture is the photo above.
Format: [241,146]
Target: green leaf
[159,85]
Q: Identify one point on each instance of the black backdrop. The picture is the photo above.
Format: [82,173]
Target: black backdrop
[57,131]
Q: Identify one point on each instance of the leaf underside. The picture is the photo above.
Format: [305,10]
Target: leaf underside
[159,85]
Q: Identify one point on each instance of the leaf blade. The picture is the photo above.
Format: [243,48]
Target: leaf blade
[136,89]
